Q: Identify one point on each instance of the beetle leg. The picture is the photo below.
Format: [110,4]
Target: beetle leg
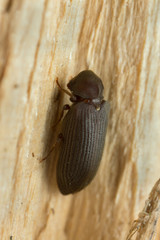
[59,138]
[65,107]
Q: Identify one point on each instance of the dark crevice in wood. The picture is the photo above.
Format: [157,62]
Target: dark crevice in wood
[9,6]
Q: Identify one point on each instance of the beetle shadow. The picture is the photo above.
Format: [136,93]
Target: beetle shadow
[50,137]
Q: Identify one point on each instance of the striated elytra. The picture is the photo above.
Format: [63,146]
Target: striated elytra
[83,130]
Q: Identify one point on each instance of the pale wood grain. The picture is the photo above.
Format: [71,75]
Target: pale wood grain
[41,40]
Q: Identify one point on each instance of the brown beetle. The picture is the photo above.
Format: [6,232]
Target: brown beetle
[83,133]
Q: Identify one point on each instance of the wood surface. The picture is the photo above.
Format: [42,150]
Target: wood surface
[41,40]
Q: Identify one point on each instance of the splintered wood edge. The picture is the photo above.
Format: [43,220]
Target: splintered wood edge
[147,226]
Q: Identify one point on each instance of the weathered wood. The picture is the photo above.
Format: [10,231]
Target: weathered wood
[41,40]
[147,224]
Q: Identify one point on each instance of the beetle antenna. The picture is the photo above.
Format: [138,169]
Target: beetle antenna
[64,90]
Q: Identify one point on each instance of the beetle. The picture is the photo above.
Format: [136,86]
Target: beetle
[83,132]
